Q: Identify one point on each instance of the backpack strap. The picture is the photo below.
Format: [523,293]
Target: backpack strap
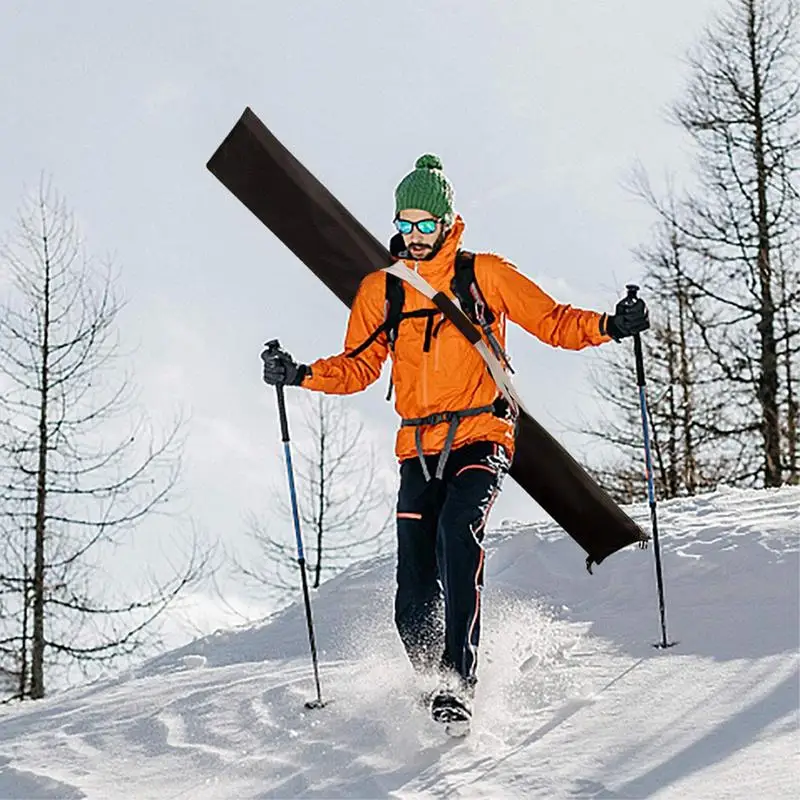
[395,299]
[395,296]
[465,287]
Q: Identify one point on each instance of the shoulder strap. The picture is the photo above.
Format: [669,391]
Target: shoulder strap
[393,313]
[395,299]
[465,287]
[393,306]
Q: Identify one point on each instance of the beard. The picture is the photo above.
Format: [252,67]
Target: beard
[427,251]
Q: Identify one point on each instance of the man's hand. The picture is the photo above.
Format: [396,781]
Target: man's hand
[281,369]
[629,317]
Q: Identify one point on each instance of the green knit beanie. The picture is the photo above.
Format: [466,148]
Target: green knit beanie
[426,188]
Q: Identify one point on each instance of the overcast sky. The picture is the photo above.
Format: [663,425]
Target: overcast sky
[537,109]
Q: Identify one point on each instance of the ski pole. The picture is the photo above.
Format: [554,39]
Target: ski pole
[651,492]
[301,559]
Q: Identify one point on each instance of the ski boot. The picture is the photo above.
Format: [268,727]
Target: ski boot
[453,710]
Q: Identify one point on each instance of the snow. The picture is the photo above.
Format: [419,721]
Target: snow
[573,700]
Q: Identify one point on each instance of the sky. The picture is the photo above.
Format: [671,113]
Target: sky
[538,111]
[572,699]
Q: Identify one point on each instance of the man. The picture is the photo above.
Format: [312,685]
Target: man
[456,440]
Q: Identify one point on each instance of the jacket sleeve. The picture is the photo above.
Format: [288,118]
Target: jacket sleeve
[346,373]
[525,303]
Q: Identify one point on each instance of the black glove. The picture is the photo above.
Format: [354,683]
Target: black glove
[629,317]
[281,369]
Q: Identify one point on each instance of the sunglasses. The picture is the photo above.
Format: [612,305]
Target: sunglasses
[426,226]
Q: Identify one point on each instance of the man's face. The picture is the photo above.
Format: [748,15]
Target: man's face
[420,245]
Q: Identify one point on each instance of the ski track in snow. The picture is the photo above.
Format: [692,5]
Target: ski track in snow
[573,699]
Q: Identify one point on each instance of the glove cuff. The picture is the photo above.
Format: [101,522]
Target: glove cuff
[610,328]
[302,371]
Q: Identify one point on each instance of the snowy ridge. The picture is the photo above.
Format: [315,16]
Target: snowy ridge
[573,700]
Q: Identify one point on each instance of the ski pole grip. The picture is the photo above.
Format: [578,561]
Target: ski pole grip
[631,298]
[271,346]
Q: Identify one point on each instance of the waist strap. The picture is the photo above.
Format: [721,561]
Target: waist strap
[453,417]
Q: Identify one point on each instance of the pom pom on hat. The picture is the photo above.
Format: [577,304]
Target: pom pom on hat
[429,161]
[426,188]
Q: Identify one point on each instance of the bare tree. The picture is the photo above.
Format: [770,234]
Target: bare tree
[79,470]
[689,414]
[741,110]
[789,327]
[344,510]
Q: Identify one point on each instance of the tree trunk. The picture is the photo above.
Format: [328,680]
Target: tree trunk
[23,648]
[793,476]
[768,378]
[686,379]
[37,642]
[791,430]
[672,488]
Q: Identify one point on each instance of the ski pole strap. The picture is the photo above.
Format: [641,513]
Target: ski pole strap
[453,418]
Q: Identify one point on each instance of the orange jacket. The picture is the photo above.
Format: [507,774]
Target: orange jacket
[452,375]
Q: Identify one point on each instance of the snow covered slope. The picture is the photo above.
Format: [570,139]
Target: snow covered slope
[573,701]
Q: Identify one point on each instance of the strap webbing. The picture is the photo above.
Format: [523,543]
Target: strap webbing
[453,417]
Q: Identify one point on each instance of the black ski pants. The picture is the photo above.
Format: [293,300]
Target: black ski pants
[440,527]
